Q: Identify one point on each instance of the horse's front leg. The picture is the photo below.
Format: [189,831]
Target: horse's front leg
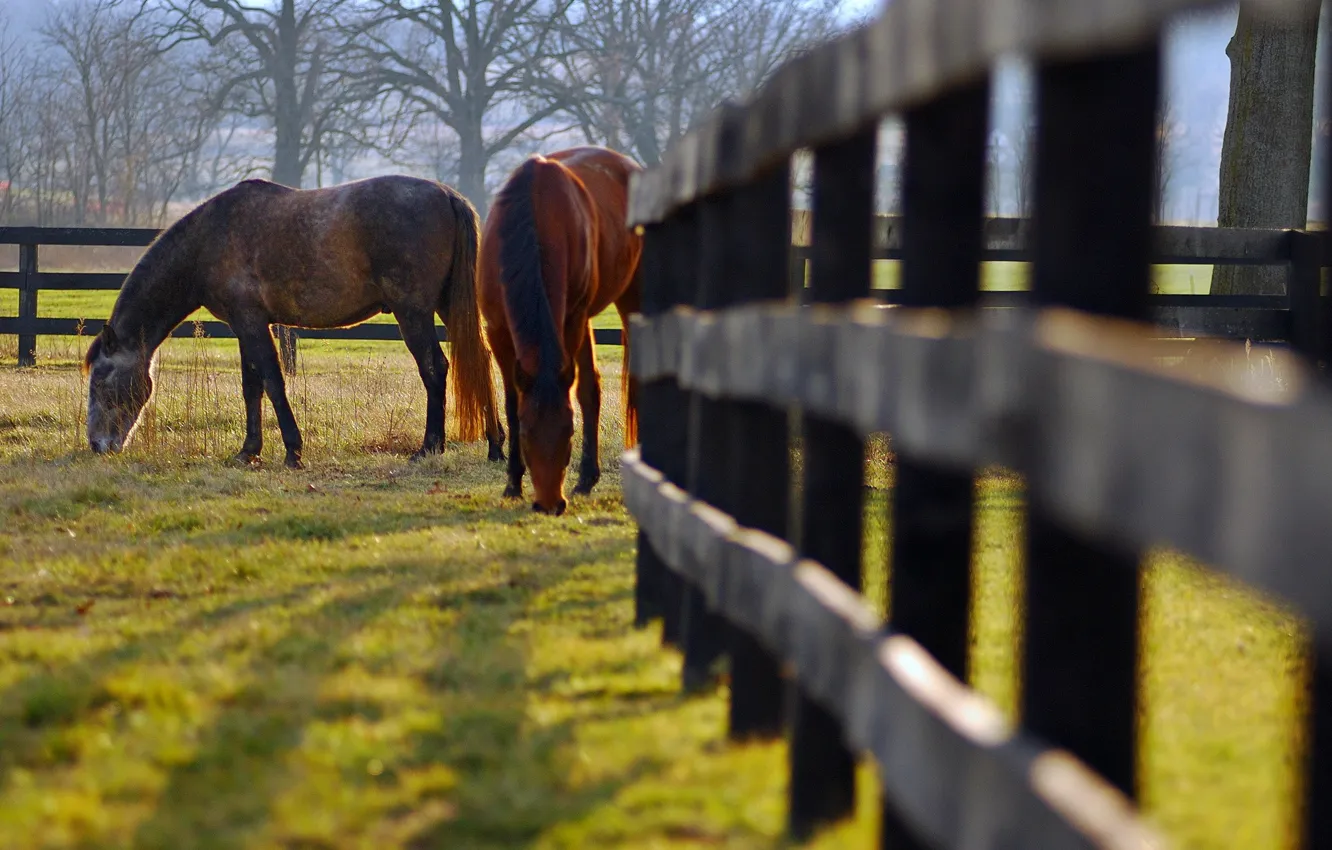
[252,388]
[589,400]
[257,345]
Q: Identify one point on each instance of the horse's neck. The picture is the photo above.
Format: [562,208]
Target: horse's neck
[153,305]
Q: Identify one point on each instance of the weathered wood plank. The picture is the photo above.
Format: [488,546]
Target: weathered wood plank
[1223,462]
[134,237]
[962,777]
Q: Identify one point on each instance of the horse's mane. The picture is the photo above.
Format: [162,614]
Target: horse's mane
[168,249]
[525,296]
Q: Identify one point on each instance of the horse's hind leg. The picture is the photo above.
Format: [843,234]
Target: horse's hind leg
[418,331]
[257,345]
[494,435]
[589,400]
[252,388]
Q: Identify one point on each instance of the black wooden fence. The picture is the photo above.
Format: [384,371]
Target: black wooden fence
[1293,318]
[29,280]
[1119,453]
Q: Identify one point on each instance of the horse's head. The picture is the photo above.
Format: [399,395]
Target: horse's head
[545,432]
[120,382]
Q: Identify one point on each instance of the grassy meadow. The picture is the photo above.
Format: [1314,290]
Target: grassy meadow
[373,653]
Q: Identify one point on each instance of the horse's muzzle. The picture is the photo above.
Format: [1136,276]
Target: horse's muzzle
[104,445]
[557,510]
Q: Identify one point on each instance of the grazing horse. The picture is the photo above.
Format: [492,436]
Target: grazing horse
[259,254]
[556,252]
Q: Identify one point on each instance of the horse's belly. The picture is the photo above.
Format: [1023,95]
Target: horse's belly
[322,304]
[327,316]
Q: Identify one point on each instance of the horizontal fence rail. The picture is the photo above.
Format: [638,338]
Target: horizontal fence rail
[763,370]
[1049,392]
[29,281]
[1257,318]
[964,776]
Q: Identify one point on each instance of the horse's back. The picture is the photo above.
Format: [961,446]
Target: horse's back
[337,255]
[605,175]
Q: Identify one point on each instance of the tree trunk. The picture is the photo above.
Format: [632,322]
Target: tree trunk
[1265,155]
[288,168]
[472,169]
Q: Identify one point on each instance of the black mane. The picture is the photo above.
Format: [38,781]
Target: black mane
[524,291]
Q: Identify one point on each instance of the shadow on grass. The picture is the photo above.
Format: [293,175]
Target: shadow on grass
[62,694]
[334,523]
[224,793]
[513,775]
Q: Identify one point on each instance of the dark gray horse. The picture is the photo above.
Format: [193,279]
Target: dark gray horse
[260,254]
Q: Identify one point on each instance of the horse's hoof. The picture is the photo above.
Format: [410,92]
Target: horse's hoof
[495,454]
[245,460]
[513,491]
[584,488]
[293,462]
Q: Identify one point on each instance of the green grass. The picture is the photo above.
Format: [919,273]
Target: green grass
[372,653]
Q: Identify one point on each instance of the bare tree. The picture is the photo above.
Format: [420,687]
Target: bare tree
[464,65]
[102,56]
[1171,137]
[996,155]
[53,151]
[283,64]
[637,74]
[18,74]
[133,133]
[222,160]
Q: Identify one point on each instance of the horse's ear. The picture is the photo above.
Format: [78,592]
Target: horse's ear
[110,342]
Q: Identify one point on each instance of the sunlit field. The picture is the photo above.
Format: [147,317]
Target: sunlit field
[375,653]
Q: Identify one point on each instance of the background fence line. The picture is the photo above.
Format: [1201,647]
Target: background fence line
[1298,318]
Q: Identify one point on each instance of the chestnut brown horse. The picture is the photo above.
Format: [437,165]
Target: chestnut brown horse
[260,254]
[556,252]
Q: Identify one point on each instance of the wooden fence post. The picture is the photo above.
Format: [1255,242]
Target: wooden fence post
[823,769]
[1316,817]
[678,242]
[27,304]
[943,196]
[649,571]
[660,434]
[760,459]
[1304,282]
[703,632]
[1092,247]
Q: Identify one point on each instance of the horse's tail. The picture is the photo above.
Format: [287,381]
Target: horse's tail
[629,389]
[629,383]
[473,389]
[526,301]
